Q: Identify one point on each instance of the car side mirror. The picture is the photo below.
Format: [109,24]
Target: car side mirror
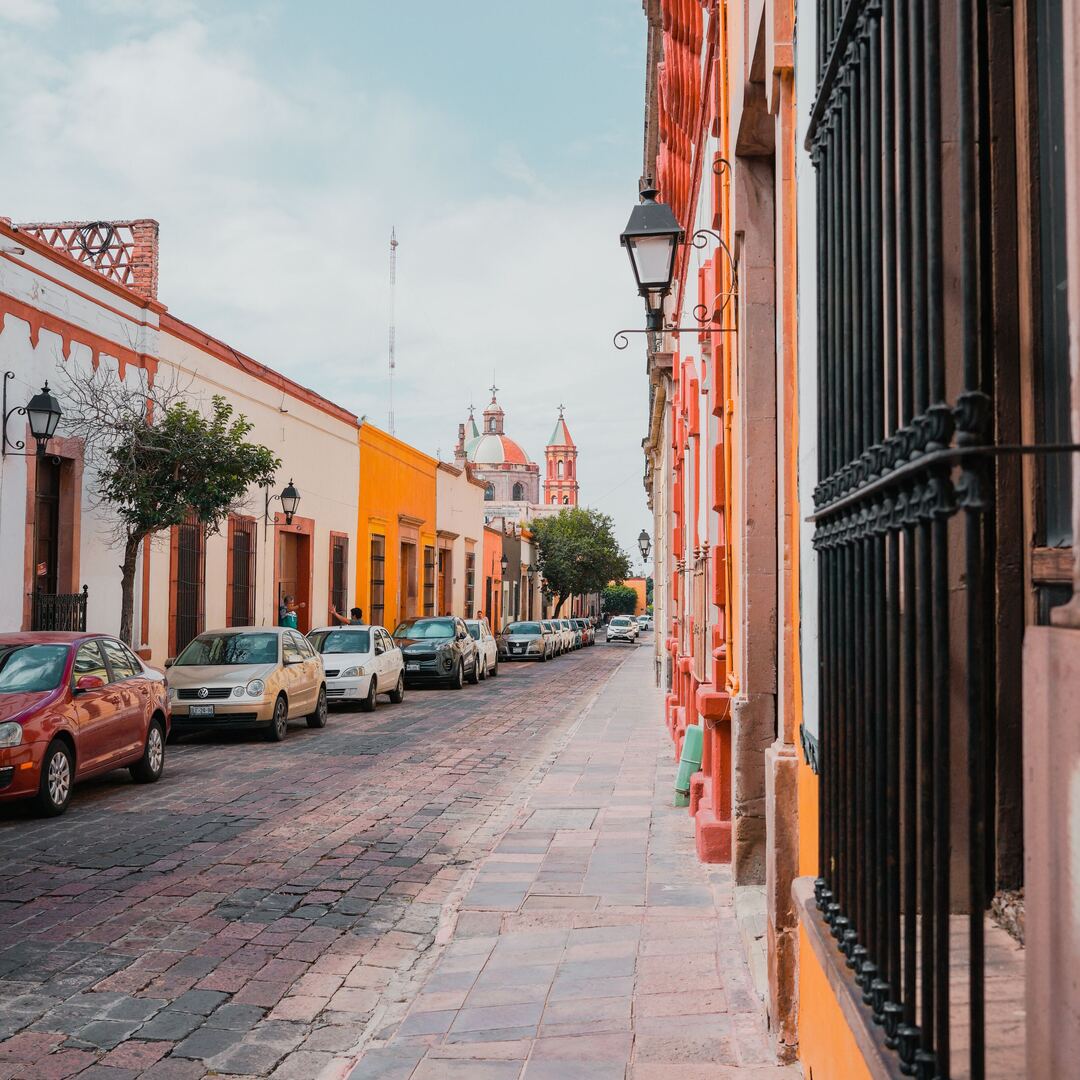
[89,682]
[171,660]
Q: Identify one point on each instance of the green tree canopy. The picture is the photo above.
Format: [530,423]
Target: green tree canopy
[157,459]
[578,552]
[619,600]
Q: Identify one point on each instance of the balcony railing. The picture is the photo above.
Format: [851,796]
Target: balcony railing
[59,611]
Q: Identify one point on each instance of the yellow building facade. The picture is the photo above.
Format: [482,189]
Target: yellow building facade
[396,562]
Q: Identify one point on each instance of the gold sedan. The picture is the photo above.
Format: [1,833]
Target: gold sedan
[247,677]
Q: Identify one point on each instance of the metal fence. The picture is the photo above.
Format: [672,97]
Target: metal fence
[59,611]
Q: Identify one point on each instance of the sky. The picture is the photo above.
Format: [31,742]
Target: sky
[279,141]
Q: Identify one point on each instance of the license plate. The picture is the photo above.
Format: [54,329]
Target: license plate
[201,710]
[412,667]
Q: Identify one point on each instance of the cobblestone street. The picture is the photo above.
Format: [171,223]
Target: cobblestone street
[264,906]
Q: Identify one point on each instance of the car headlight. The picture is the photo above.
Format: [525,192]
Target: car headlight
[352,673]
[10,734]
[534,646]
[172,693]
[447,661]
[256,688]
[238,691]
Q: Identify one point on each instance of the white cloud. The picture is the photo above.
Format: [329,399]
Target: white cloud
[277,191]
[29,12]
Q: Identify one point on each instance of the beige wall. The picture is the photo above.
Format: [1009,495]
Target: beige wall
[318,452]
[459,519]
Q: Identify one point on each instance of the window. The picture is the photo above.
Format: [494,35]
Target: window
[378,579]
[559,469]
[229,650]
[429,580]
[89,661]
[189,569]
[519,493]
[241,583]
[470,583]
[121,662]
[31,669]
[339,572]
[570,468]
[566,500]
[331,642]
[489,493]
[47,526]
[291,653]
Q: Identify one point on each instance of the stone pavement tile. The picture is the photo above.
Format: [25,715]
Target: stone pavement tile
[466,1069]
[174,1069]
[135,1054]
[506,1050]
[545,1069]
[29,1046]
[426,1023]
[302,1065]
[595,1011]
[686,1046]
[611,1047]
[680,1003]
[494,1035]
[450,999]
[586,988]
[493,1017]
[397,1063]
[57,1066]
[170,1024]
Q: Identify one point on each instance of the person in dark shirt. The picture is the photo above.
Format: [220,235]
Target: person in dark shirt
[355,617]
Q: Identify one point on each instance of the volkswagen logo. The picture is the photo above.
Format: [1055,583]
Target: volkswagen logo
[203,692]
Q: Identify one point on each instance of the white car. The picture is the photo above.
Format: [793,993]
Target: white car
[623,628]
[644,622]
[361,662]
[487,647]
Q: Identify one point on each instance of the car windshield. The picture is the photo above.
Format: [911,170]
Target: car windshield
[31,669]
[426,628]
[226,650]
[622,620]
[474,630]
[526,628]
[329,642]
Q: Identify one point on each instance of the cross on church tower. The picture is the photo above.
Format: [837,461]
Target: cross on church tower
[494,390]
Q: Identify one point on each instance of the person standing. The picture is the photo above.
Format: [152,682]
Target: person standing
[287,611]
[355,617]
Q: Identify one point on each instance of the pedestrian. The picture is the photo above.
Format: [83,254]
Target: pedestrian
[287,611]
[355,617]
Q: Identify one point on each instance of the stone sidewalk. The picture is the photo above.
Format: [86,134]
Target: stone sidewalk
[591,943]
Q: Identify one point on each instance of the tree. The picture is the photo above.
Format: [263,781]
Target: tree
[578,553]
[156,459]
[649,593]
[619,600]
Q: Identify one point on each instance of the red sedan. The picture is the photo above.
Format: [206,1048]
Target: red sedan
[74,706]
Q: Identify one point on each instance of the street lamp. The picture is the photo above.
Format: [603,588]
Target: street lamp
[644,544]
[504,562]
[42,411]
[289,499]
[651,238]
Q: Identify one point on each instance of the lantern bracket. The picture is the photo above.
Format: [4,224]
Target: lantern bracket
[17,447]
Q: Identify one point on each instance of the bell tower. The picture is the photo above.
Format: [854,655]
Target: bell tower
[560,455]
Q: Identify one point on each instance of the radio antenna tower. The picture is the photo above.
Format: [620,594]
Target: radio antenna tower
[393,328]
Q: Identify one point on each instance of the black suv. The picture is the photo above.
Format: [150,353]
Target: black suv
[439,650]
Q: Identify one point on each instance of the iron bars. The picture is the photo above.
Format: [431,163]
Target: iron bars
[897,462]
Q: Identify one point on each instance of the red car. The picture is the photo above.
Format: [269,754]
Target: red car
[74,706]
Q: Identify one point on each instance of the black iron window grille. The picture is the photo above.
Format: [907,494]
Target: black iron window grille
[190,581]
[242,587]
[339,573]
[429,580]
[905,514]
[470,584]
[378,580]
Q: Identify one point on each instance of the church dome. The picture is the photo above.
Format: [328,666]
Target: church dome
[493,449]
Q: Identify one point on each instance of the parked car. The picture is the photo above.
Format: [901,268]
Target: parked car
[623,628]
[644,622]
[557,633]
[573,633]
[438,649]
[361,662]
[585,628]
[486,646]
[257,677]
[74,706]
[527,641]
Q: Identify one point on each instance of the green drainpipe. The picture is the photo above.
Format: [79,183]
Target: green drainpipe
[689,763]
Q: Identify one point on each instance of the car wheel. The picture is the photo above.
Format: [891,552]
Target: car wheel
[494,672]
[318,718]
[483,669]
[152,764]
[279,722]
[543,656]
[397,695]
[54,790]
[457,680]
[474,675]
[368,704]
